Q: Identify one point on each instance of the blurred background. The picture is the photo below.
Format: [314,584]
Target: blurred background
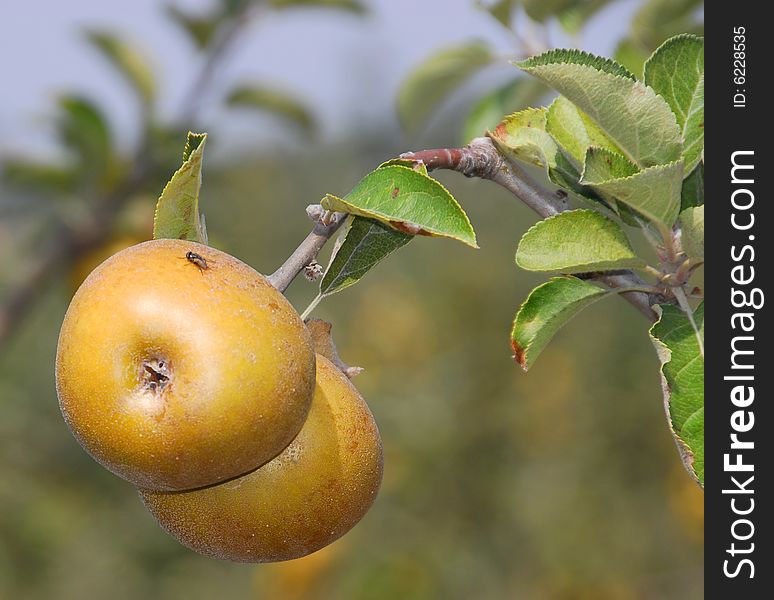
[561,483]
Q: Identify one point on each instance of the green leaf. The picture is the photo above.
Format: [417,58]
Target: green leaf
[273,101]
[576,241]
[682,371]
[639,122]
[128,61]
[365,243]
[522,137]
[488,111]
[600,164]
[405,162]
[502,10]
[676,72]
[351,6]
[575,17]
[692,221]
[85,130]
[653,192]
[201,29]
[436,78]
[545,311]
[407,200]
[574,131]
[541,10]
[693,188]
[177,211]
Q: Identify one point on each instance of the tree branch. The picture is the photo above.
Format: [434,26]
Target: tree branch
[481,159]
[307,251]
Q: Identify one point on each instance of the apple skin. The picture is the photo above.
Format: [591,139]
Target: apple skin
[307,497]
[175,375]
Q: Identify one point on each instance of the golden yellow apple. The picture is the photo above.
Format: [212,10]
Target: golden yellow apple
[179,366]
[314,492]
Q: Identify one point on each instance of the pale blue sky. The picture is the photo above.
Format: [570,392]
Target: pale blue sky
[350,68]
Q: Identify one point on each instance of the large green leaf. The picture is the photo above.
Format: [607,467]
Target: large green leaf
[177,211]
[488,111]
[407,200]
[576,241]
[682,371]
[272,101]
[574,131]
[364,243]
[435,78]
[545,311]
[127,60]
[653,192]
[676,72]
[692,221]
[639,122]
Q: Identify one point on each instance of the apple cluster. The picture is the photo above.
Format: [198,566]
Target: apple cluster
[182,370]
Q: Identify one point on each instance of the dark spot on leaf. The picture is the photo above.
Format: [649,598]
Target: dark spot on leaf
[701,124]
[519,354]
[395,192]
[409,228]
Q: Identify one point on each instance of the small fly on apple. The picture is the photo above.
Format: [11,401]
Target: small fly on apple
[197,259]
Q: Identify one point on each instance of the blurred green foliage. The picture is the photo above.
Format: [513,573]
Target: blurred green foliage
[563,483]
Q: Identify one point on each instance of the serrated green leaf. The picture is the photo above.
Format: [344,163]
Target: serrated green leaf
[653,192]
[522,137]
[128,61]
[545,311]
[576,241]
[362,246]
[576,58]
[676,72]
[574,131]
[488,111]
[177,211]
[408,201]
[633,116]
[692,221]
[353,6]
[200,29]
[275,102]
[435,78]
[84,129]
[693,188]
[600,164]
[682,371]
